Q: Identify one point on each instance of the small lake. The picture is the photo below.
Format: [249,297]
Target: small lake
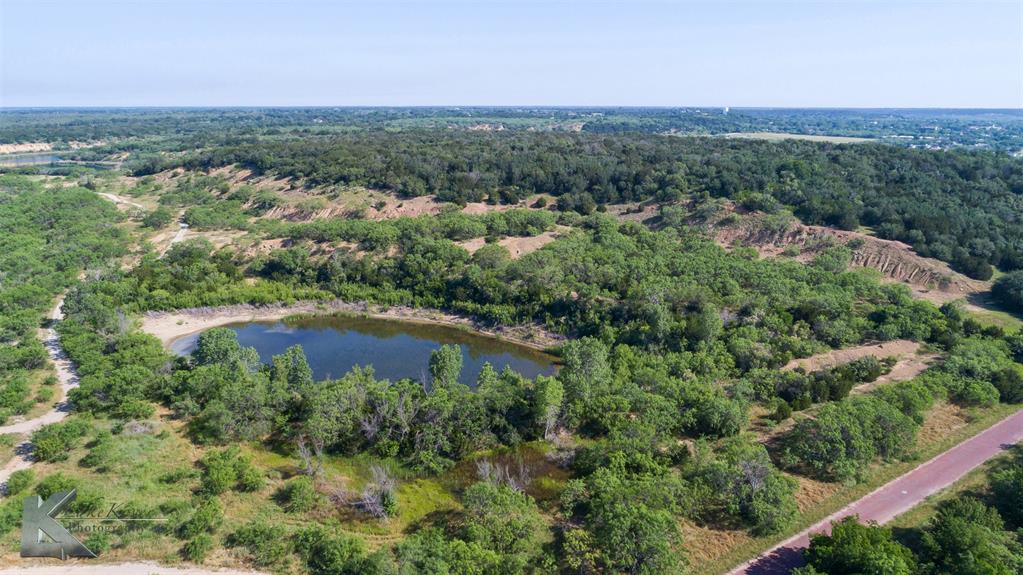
[395,349]
[29,159]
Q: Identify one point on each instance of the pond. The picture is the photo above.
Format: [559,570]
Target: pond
[395,349]
[30,159]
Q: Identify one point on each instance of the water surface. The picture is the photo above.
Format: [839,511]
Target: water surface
[395,349]
[28,159]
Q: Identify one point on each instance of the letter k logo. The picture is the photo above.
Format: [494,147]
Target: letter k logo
[42,536]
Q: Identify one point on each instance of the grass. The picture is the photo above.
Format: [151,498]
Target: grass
[749,548]
[989,313]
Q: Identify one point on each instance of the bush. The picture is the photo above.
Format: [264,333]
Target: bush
[1008,290]
[19,481]
[268,544]
[98,542]
[197,548]
[298,495]
[207,518]
[55,483]
[330,554]
[161,217]
[52,442]
[251,479]
[226,469]
[101,452]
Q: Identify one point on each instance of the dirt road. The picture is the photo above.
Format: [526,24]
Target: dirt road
[898,496]
[67,378]
[179,236]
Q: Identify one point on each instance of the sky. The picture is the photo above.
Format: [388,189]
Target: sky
[570,53]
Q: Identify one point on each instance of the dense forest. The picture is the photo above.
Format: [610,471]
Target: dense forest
[961,207]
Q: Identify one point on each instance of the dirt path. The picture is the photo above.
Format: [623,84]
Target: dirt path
[73,567]
[897,348]
[121,201]
[170,326]
[179,236]
[899,495]
[67,378]
[910,361]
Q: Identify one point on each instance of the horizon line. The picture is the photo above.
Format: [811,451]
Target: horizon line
[490,106]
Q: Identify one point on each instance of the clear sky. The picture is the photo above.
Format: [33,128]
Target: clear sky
[667,53]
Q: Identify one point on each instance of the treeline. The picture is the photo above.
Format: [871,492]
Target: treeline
[195,128]
[958,206]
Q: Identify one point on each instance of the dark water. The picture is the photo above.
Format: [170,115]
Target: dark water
[395,349]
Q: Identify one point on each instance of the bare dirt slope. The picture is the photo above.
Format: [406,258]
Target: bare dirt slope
[910,362]
[895,260]
[517,246]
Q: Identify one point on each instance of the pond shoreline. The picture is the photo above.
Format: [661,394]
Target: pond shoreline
[168,327]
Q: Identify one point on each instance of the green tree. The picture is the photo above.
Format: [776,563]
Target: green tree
[446,365]
[968,538]
[855,549]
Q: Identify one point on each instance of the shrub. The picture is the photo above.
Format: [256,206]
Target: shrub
[1008,290]
[329,554]
[54,483]
[98,542]
[268,544]
[197,548]
[298,495]
[158,218]
[19,481]
[226,469]
[53,442]
[251,479]
[207,518]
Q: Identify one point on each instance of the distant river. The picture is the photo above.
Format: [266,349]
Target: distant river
[395,349]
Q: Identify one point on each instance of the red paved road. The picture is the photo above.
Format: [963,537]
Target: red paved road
[899,496]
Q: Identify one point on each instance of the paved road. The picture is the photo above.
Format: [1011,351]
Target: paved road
[898,496]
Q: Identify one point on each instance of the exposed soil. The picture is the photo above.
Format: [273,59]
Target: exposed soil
[517,246]
[899,348]
[27,147]
[895,260]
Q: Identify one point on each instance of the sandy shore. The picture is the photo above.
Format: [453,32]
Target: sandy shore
[170,326]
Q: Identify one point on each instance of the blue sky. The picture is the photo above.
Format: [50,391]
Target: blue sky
[315,52]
